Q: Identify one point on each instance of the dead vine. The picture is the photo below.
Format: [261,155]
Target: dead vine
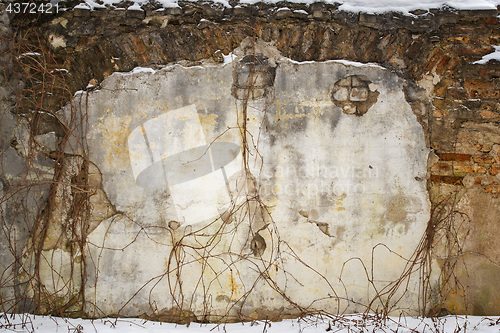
[254,237]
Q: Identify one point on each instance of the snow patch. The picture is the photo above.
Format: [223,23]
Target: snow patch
[63,70]
[495,55]
[343,62]
[28,54]
[366,6]
[82,5]
[138,70]
[301,11]
[135,6]
[228,58]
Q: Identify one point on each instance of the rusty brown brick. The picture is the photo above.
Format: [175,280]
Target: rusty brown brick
[455,180]
[454,157]
[442,65]
[434,58]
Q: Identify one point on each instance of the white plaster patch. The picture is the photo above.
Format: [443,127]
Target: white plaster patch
[307,189]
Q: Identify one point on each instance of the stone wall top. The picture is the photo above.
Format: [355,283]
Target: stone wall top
[204,12]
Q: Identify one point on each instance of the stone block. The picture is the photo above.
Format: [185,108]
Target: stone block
[484,159]
[100,12]
[358,94]
[341,94]
[488,94]
[301,14]
[283,13]
[81,12]
[478,13]
[255,79]
[136,14]
[213,11]
[349,109]
[474,51]
[494,170]
[419,108]
[176,11]
[321,15]
[48,141]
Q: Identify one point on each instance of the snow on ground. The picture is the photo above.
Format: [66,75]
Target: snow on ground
[343,324]
[367,6]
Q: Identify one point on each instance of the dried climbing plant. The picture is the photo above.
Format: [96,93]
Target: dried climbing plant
[52,171]
[66,205]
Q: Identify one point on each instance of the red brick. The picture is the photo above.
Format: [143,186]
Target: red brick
[442,65]
[454,157]
[460,169]
[441,89]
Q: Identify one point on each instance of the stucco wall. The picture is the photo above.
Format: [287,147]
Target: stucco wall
[316,186]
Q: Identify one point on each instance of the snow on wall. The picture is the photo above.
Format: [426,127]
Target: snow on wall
[365,6]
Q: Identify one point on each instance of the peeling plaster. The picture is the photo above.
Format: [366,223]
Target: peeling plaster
[331,185]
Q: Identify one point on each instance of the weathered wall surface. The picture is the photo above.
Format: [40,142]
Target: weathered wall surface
[302,174]
[326,182]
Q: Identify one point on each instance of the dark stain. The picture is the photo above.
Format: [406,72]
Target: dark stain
[258,245]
